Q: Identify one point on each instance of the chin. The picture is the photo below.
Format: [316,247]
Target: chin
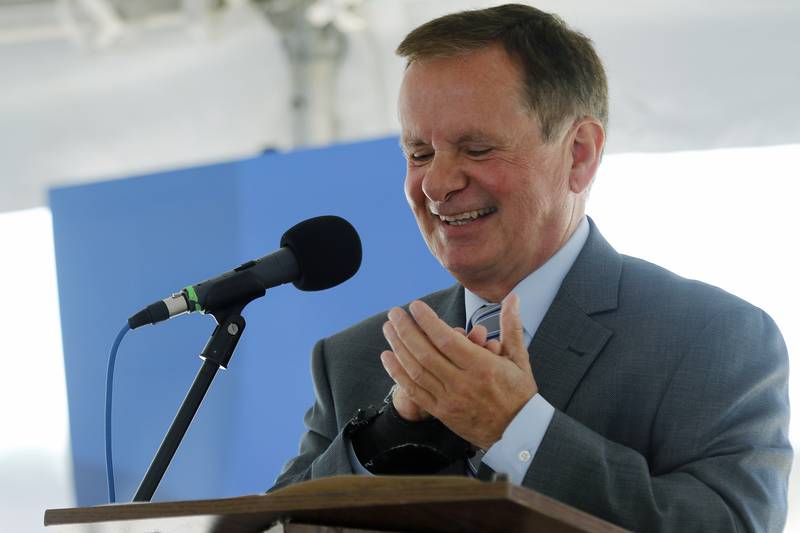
[463,268]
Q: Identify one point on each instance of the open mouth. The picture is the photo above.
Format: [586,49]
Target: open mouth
[461,219]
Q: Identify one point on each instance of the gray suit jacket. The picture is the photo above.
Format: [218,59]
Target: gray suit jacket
[671,398]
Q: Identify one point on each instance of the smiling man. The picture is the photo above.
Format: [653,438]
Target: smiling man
[652,401]
[493,200]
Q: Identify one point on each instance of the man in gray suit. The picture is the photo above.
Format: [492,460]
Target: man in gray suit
[655,402]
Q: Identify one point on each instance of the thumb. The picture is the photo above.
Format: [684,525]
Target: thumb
[405,406]
[512,336]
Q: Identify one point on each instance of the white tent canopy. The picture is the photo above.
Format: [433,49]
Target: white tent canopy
[204,85]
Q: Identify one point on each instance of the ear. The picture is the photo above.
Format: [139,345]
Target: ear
[588,140]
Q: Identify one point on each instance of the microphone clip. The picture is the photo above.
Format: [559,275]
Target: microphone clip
[226,335]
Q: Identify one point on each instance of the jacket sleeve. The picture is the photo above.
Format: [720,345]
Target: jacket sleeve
[323,451]
[719,457]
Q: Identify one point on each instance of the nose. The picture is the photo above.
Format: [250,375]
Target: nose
[443,177]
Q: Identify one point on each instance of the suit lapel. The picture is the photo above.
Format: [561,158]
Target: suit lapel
[568,339]
[449,305]
[563,349]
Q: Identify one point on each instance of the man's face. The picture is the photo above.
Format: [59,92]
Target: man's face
[492,201]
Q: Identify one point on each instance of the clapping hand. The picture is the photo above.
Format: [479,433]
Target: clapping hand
[473,386]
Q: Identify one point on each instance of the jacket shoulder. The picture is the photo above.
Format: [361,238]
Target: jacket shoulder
[646,284]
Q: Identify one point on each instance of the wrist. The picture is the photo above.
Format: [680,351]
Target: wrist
[497,436]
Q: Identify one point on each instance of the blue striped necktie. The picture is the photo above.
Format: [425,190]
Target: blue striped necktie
[488,316]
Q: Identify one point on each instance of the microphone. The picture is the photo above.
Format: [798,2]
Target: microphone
[315,254]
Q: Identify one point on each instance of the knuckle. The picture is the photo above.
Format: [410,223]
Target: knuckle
[445,342]
[412,391]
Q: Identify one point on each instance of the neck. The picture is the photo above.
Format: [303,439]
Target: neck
[494,288]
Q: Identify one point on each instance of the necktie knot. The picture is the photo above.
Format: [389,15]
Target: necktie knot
[488,316]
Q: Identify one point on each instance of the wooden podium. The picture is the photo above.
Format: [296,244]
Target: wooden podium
[346,504]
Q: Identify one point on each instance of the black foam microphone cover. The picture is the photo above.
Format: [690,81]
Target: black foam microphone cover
[327,249]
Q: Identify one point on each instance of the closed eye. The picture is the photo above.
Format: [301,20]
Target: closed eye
[478,152]
[419,157]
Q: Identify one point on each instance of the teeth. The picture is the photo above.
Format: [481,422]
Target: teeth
[465,218]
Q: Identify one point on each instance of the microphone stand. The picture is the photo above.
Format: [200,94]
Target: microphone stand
[217,353]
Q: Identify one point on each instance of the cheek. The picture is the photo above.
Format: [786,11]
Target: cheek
[525,208]
[413,189]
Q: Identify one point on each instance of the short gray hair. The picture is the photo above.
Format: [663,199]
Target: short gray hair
[563,77]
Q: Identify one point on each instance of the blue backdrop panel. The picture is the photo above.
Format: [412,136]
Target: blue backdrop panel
[122,244]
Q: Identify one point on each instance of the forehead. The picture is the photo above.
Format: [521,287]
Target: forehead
[486,72]
[468,95]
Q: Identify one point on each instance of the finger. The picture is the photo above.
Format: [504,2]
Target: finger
[494,346]
[413,368]
[512,336]
[461,330]
[424,399]
[478,335]
[420,346]
[458,350]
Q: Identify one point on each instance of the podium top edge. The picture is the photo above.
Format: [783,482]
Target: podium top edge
[341,492]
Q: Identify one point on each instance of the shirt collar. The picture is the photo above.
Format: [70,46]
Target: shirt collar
[537,291]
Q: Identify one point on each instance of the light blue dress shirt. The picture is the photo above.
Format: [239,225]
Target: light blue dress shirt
[513,453]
